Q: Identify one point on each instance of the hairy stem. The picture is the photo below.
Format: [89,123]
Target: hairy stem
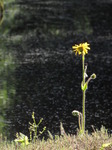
[83,92]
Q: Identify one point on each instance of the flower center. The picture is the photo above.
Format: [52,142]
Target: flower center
[81,49]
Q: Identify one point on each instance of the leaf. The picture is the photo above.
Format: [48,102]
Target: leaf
[50,135]
[84,87]
[22,139]
[105,145]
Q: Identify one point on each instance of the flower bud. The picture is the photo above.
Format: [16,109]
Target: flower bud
[93,76]
[75,113]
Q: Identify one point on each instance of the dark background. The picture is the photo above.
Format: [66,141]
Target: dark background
[44,75]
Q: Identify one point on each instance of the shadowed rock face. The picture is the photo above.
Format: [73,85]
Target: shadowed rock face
[50,28]
[48,75]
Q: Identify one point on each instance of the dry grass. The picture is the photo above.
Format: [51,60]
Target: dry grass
[92,141]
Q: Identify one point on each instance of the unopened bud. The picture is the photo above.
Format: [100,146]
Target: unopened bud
[93,76]
[75,113]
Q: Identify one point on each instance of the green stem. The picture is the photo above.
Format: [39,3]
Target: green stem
[83,100]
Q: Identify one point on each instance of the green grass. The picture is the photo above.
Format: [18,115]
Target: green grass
[87,141]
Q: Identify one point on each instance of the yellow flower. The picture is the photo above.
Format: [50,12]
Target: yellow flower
[82,48]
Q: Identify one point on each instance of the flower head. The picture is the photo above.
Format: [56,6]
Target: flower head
[82,48]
